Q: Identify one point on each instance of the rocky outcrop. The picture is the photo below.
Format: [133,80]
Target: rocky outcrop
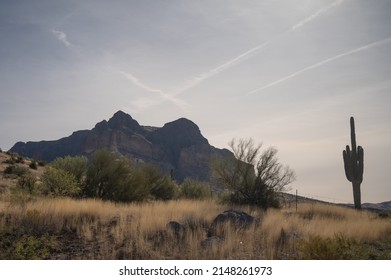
[178,146]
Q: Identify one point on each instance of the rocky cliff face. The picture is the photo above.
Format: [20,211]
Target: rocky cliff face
[177,146]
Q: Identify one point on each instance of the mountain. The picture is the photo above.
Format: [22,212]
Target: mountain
[177,146]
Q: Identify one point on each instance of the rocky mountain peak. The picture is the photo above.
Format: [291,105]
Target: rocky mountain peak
[180,133]
[122,120]
[177,147]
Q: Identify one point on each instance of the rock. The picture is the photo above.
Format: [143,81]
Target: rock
[238,219]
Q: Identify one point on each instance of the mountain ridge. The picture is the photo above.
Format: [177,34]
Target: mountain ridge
[178,146]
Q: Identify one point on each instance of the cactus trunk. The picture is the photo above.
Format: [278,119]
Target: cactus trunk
[354,165]
[357,195]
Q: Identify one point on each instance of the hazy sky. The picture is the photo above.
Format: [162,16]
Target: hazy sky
[286,73]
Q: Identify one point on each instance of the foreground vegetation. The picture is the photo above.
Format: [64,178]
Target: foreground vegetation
[75,209]
[65,228]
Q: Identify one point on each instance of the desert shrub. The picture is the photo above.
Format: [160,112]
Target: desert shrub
[111,178]
[77,166]
[9,161]
[252,177]
[192,189]
[33,165]
[160,185]
[41,163]
[16,245]
[57,182]
[16,170]
[27,182]
[131,188]
[166,189]
[339,247]
[18,159]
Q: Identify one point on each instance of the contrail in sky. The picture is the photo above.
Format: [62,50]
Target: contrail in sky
[181,104]
[62,37]
[248,54]
[199,79]
[323,62]
[315,15]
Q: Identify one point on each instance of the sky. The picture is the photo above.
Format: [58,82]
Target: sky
[286,73]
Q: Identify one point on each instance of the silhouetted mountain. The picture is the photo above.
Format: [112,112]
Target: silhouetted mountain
[177,146]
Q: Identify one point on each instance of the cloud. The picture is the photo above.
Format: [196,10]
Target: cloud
[321,63]
[144,103]
[315,15]
[62,37]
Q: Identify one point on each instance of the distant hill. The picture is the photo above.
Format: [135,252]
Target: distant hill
[382,207]
[177,146]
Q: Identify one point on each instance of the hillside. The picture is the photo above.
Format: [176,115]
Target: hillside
[382,207]
[178,146]
[12,166]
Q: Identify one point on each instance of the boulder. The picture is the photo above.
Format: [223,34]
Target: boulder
[237,219]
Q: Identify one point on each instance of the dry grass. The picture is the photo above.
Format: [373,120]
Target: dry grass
[94,229]
[33,227]
[326,220]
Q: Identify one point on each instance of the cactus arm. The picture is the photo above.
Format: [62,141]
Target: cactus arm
[360,163]
[347,163]
[353,135]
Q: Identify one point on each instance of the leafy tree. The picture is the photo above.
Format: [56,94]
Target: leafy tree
[57,182]
[253,177]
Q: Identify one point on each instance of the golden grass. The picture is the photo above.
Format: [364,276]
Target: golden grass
[95,229]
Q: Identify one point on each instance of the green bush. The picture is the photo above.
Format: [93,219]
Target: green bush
[77,166]
[57,182]
[111,178]
[27,182]
[160,185]
[16,170]
[339,247]
[16,245]
[192,189]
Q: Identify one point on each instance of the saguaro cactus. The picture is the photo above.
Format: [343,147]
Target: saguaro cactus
[353,160]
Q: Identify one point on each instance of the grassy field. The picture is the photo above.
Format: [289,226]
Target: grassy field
[43,228]
[34,227]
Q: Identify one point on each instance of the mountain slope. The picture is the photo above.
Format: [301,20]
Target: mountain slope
[177,146]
